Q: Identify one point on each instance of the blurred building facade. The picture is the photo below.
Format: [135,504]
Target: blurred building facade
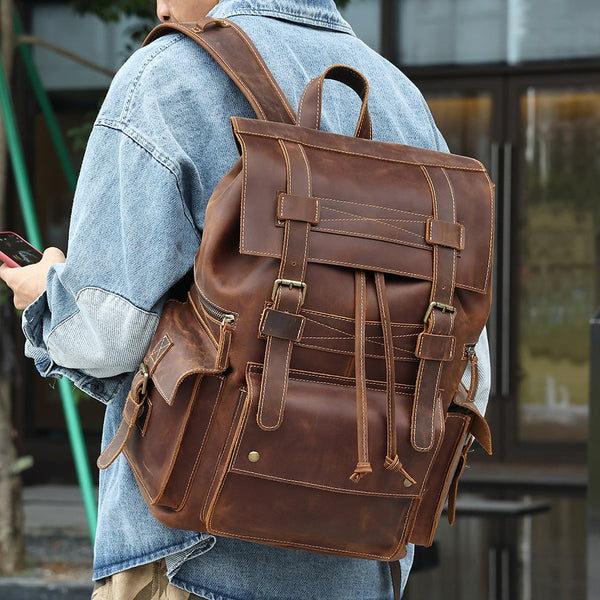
[515,83]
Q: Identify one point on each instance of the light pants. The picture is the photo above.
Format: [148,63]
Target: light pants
[146,582]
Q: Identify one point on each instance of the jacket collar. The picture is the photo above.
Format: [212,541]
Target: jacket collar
[315,13]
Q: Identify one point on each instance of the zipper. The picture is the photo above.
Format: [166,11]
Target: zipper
[215,312]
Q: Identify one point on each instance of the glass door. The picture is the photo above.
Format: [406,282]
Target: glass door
[556,255]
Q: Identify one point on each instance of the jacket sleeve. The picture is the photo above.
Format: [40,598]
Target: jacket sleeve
[131,239]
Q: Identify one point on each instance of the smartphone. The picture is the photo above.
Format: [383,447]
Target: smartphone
[15,251]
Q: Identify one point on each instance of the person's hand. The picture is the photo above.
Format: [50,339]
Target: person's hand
[27,283]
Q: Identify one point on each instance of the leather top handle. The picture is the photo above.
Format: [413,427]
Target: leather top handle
[234,51]
[309,112]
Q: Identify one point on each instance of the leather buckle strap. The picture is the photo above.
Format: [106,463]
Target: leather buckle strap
[438,318]
[133,404]
[231,47]
[288,295]
[281,325]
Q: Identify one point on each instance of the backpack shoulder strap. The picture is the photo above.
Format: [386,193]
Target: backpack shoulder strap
[229,45]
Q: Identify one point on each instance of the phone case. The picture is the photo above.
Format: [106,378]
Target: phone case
[17,252]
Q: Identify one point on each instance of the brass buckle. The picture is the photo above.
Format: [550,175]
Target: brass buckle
[441,306]
[146,375]
[291,284]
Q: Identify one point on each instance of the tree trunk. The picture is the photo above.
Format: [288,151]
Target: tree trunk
[12,545]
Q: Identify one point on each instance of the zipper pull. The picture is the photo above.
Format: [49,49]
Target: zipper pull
[228,319]
[471,355]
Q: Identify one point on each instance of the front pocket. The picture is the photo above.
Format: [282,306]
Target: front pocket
[293,484]
[184,365]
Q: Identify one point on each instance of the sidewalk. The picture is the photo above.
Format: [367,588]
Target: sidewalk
[58,547]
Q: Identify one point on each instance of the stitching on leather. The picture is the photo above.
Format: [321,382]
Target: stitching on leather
[440,437]
[301,104]
[392,223]
[201,448]
[225,447]
[385,221]
[301,545]
[244,189]
[285,200]
[329,488]
[325,261]
[307,226]
[369,236]
[347,335]
[239,82]
[435,249]
[454,252]
[333,380]
[362,154]
[261,401]
[320,101]
[492,226]
[423,216]
[266,71]
[406,358]
[158,352]
[350,320]
[363,400]
[424,365]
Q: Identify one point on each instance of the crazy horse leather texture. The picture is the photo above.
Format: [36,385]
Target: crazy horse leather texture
[307,393]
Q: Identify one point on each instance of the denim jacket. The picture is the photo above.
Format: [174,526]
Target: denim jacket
[161,142]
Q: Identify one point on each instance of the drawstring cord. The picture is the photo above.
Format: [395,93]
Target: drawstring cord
[363,466]
[392,461]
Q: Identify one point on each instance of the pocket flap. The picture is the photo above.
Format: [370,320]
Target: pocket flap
[181,346]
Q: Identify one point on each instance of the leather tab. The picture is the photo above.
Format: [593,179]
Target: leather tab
[453,490]
[435,347]
[298,208]
[117,444]
[115,447]
[282,325]
[478,426]
[444,233]
[155,355]
[271,404]
[131,410]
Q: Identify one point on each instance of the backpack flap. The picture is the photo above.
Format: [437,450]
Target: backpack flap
[365,222]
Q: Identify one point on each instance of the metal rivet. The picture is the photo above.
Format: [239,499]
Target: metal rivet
[254,456]
[407,483]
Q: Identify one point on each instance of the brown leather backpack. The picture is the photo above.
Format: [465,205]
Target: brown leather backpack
[307,394]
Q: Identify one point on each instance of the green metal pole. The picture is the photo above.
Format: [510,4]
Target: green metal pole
[47,110]
[33,234]
[86,485]
[16,155]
